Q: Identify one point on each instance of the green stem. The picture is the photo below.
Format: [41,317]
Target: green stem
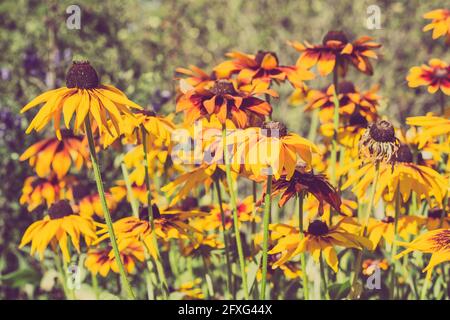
[108,220]
[133,202]
[302,255]
[357,267]
[423,292]
[335,127]
[95,286]
[323,278]
[62,276]
[394,244]
[314,125]
[225,239]
[442,102]
[157,260]
[235,215]
[266,218]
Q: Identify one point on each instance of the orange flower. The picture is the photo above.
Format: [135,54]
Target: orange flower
[262,66]
[196,77]
[226,101]
[56,154]
[336,50]
[351,102]
[440,23]
[436,76]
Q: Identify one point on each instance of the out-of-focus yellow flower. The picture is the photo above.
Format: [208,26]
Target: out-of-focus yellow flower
[370,265]
[435,75]
[432,127]
[190,290]
[440,23]
[56,228]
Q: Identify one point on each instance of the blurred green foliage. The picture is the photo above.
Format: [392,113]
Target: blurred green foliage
[136,45]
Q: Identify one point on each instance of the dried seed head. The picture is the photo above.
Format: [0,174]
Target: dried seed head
[404,154]
[318,228]
[223,87]
[60,209]
[378,143]
[82,75]
[261,54]
[335,36]
[274,129]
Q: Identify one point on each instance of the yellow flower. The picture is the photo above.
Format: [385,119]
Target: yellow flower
[190,291]
[432,127]
[88,203]
[437,219]
[57,155]
[38,191]
[435,75]
[406,226]
[83,96]
[436,242]
[102,260]
[378,143]
[319,240]
[440,23]
[370,265]
[271,150]
[60,224]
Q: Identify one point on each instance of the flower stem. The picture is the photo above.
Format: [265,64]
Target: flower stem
[132,199]
[95,286]
[323,278]
[109,224]
[235,215]
[335,127]
[266,219]
[394,244]
[62,276]
[423,292]
[157,259]
[302,255]
[357,267]
[225,239]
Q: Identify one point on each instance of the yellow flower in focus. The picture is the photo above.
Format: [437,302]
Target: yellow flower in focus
[436,242]
[83,97]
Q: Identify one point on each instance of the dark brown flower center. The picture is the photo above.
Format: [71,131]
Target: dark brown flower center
[82,75]
[404,154]
[261,54]
[435,213]
[223,87]
[346,87]
[382,131]
[388,219]
[143,214]
[274,129]
[80,191]
[67,133]
[441,73]
[318,228]
[335,36]
[357,119]
[60,209]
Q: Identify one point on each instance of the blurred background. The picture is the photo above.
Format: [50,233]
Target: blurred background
[136,45]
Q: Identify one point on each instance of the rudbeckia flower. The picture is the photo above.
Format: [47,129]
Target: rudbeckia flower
[337,51]
[304,183]
[60,224]
[435,75]
[82,96]
[226,101]
[189,291]
[119,192]
[39,191]
[102,260]
[263,66]
[57,155]
[319,239]
[271,149]
[351,102]
[89,203]
[404,176]
[432,127]
[202,246]
[384,228]
[436,242]
[440,23]
[379,143]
